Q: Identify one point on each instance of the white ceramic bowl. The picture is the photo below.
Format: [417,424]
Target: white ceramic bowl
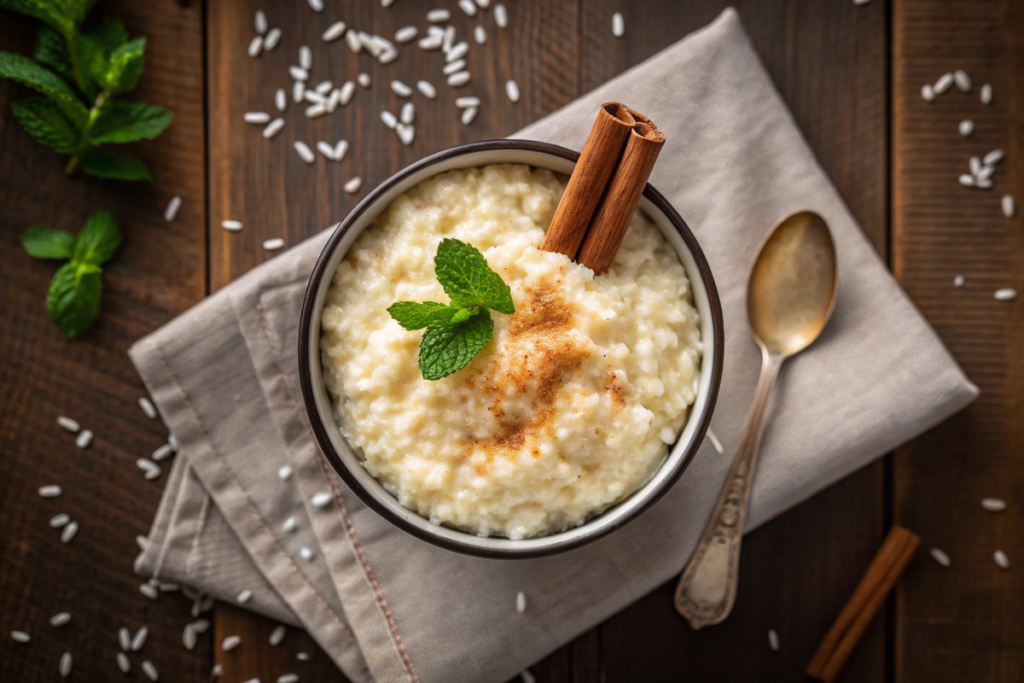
[348,464]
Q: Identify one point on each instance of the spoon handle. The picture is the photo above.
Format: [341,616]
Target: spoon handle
[707,588]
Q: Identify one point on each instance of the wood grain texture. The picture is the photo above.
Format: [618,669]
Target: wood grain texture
[963,623]
[158,272]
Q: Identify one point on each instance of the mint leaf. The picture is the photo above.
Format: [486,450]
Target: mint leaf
[413,315]
[47,243]
[91,60]
[114,165]
[125,66]
[467,279]
[448,348]
[51,49]
[98,239]
[45,121]
[109,34]
[42,80]
[74,297]
[57,13]
[128,122]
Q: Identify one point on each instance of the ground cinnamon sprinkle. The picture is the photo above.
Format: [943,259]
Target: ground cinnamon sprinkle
[523,380]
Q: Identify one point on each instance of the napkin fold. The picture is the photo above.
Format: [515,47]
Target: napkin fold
[388,607]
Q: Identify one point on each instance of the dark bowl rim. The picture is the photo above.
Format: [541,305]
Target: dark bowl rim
[467,547]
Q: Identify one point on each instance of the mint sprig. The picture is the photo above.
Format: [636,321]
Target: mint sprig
[73,300]
[78,75]
[456,332]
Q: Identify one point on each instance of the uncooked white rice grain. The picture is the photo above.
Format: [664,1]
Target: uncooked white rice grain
[168,587]
[188,637]
[406,133]
[149,468]
[520,602]
[463,102]
[985,172]
[714,441]
[306,553]
[942,85]
[352,186]
[230,226]
[431,42]
[1008,205]
[275,243]
[124,638]
[983,183]
[468,6]
[257,117]
[140,638]
[483,4]
[993,157]
[1005,294]
[618,25]
[149,591]
[426,89]
[480,35]
[527,676]
[60,618]
[962,80]
[324,87]
[256,46]
[438,16]
[230,643]
[285,471]
[447,39]
[346,92]
[363,80]
[927,92]
[302,656]
[20,637]
[274,127]
[123,663]
[200,625]
[369,43]
[150,670]
[261,22]
[217,671]
[298,73]
[277,635]
[386,3]
[408,113]
[939,556]
[458,79]
[50,491]
[290,524]
[352,38]
[148,408]
[321,500]
[405,34]
[298,91]
[288,678]
[326,149]
[401,89]
[340,150]
[173,442]
[966,179]
[457,52]
[334,31]
[435,31]
[986,94]
[975,165]
[316,5]
[244,596]
[958,281]
[65,665]
[468,114]
[966,127]
[861,2]
[304,152]
[58,521]
[389,119]
[1001,559]
[273,38]
[512,90]
[993,504]
[451,68]
[69,532]
[68,424]
[172,209]
[305,57]
[500,15]
[773,640]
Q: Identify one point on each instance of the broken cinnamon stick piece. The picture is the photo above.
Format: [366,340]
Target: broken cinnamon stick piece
[590,178]
[869,596]
[620,200]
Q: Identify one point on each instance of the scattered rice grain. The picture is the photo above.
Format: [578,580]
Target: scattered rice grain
[306,553]
[230,643]
[468,6]
[321,500]
[483,4]
[389,119]
[1001,559]
[261,22]
[447,39]
[431,42]
[942,85]
[340,150]
[305,153]
[438,16]
[149,468]
[527,676]
[290,524]
[277,635]
[200,626]
[458,65]
[316,5]
[140,638]
[298,91]
[406,133]
[352,38]
[274,127]
[773,640]
[520,602]
[458,79]
[231,226]
[172,209]
[298,73]
[983,183]
[940,557]
[468,114]
[463,102]
[66,663]
[408,113]
[457,52]
[150,670]
[69,532]
[927,92]
[123,663]
[401,89]
[273,38]
[346,92]
[405,34]
[618,25]
[993,504]
[275,243]
[284,472]
[352,186]
[124,639]
[148,408]
[326,149]
[288,678]
[363,80]
[257,117]
[993,157]
[986,94]
[1005,294]
[500,15]
[962,80]
[60,618]
[244,596]
[512,90]
[966,127]
[149,591]
[256,46]
[189,637]
[20,636]
[958,281]
[426,89]
[302,656]
[50,491]
[480,35]
[334,31]
[1008,205]
[967,180]
[58,521]
[68,424]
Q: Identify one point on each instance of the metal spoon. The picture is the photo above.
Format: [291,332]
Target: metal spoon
[790,294]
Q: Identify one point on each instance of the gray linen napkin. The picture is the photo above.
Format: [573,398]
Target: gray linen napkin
[388,607]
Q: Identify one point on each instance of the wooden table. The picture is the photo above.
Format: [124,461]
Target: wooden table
[851,76]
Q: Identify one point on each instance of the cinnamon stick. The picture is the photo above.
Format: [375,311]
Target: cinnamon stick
[882,574]
[620,200]
[590,178]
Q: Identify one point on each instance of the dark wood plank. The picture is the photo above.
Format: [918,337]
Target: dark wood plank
[828,60]
[158,272]
[963,623]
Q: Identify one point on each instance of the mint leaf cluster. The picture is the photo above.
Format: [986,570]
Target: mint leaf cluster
[78,73]
[74,297]
[457,331]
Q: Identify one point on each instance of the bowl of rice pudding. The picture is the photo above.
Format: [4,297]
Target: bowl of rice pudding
[581,411]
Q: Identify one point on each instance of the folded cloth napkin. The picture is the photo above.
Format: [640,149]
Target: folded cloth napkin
[388,607]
